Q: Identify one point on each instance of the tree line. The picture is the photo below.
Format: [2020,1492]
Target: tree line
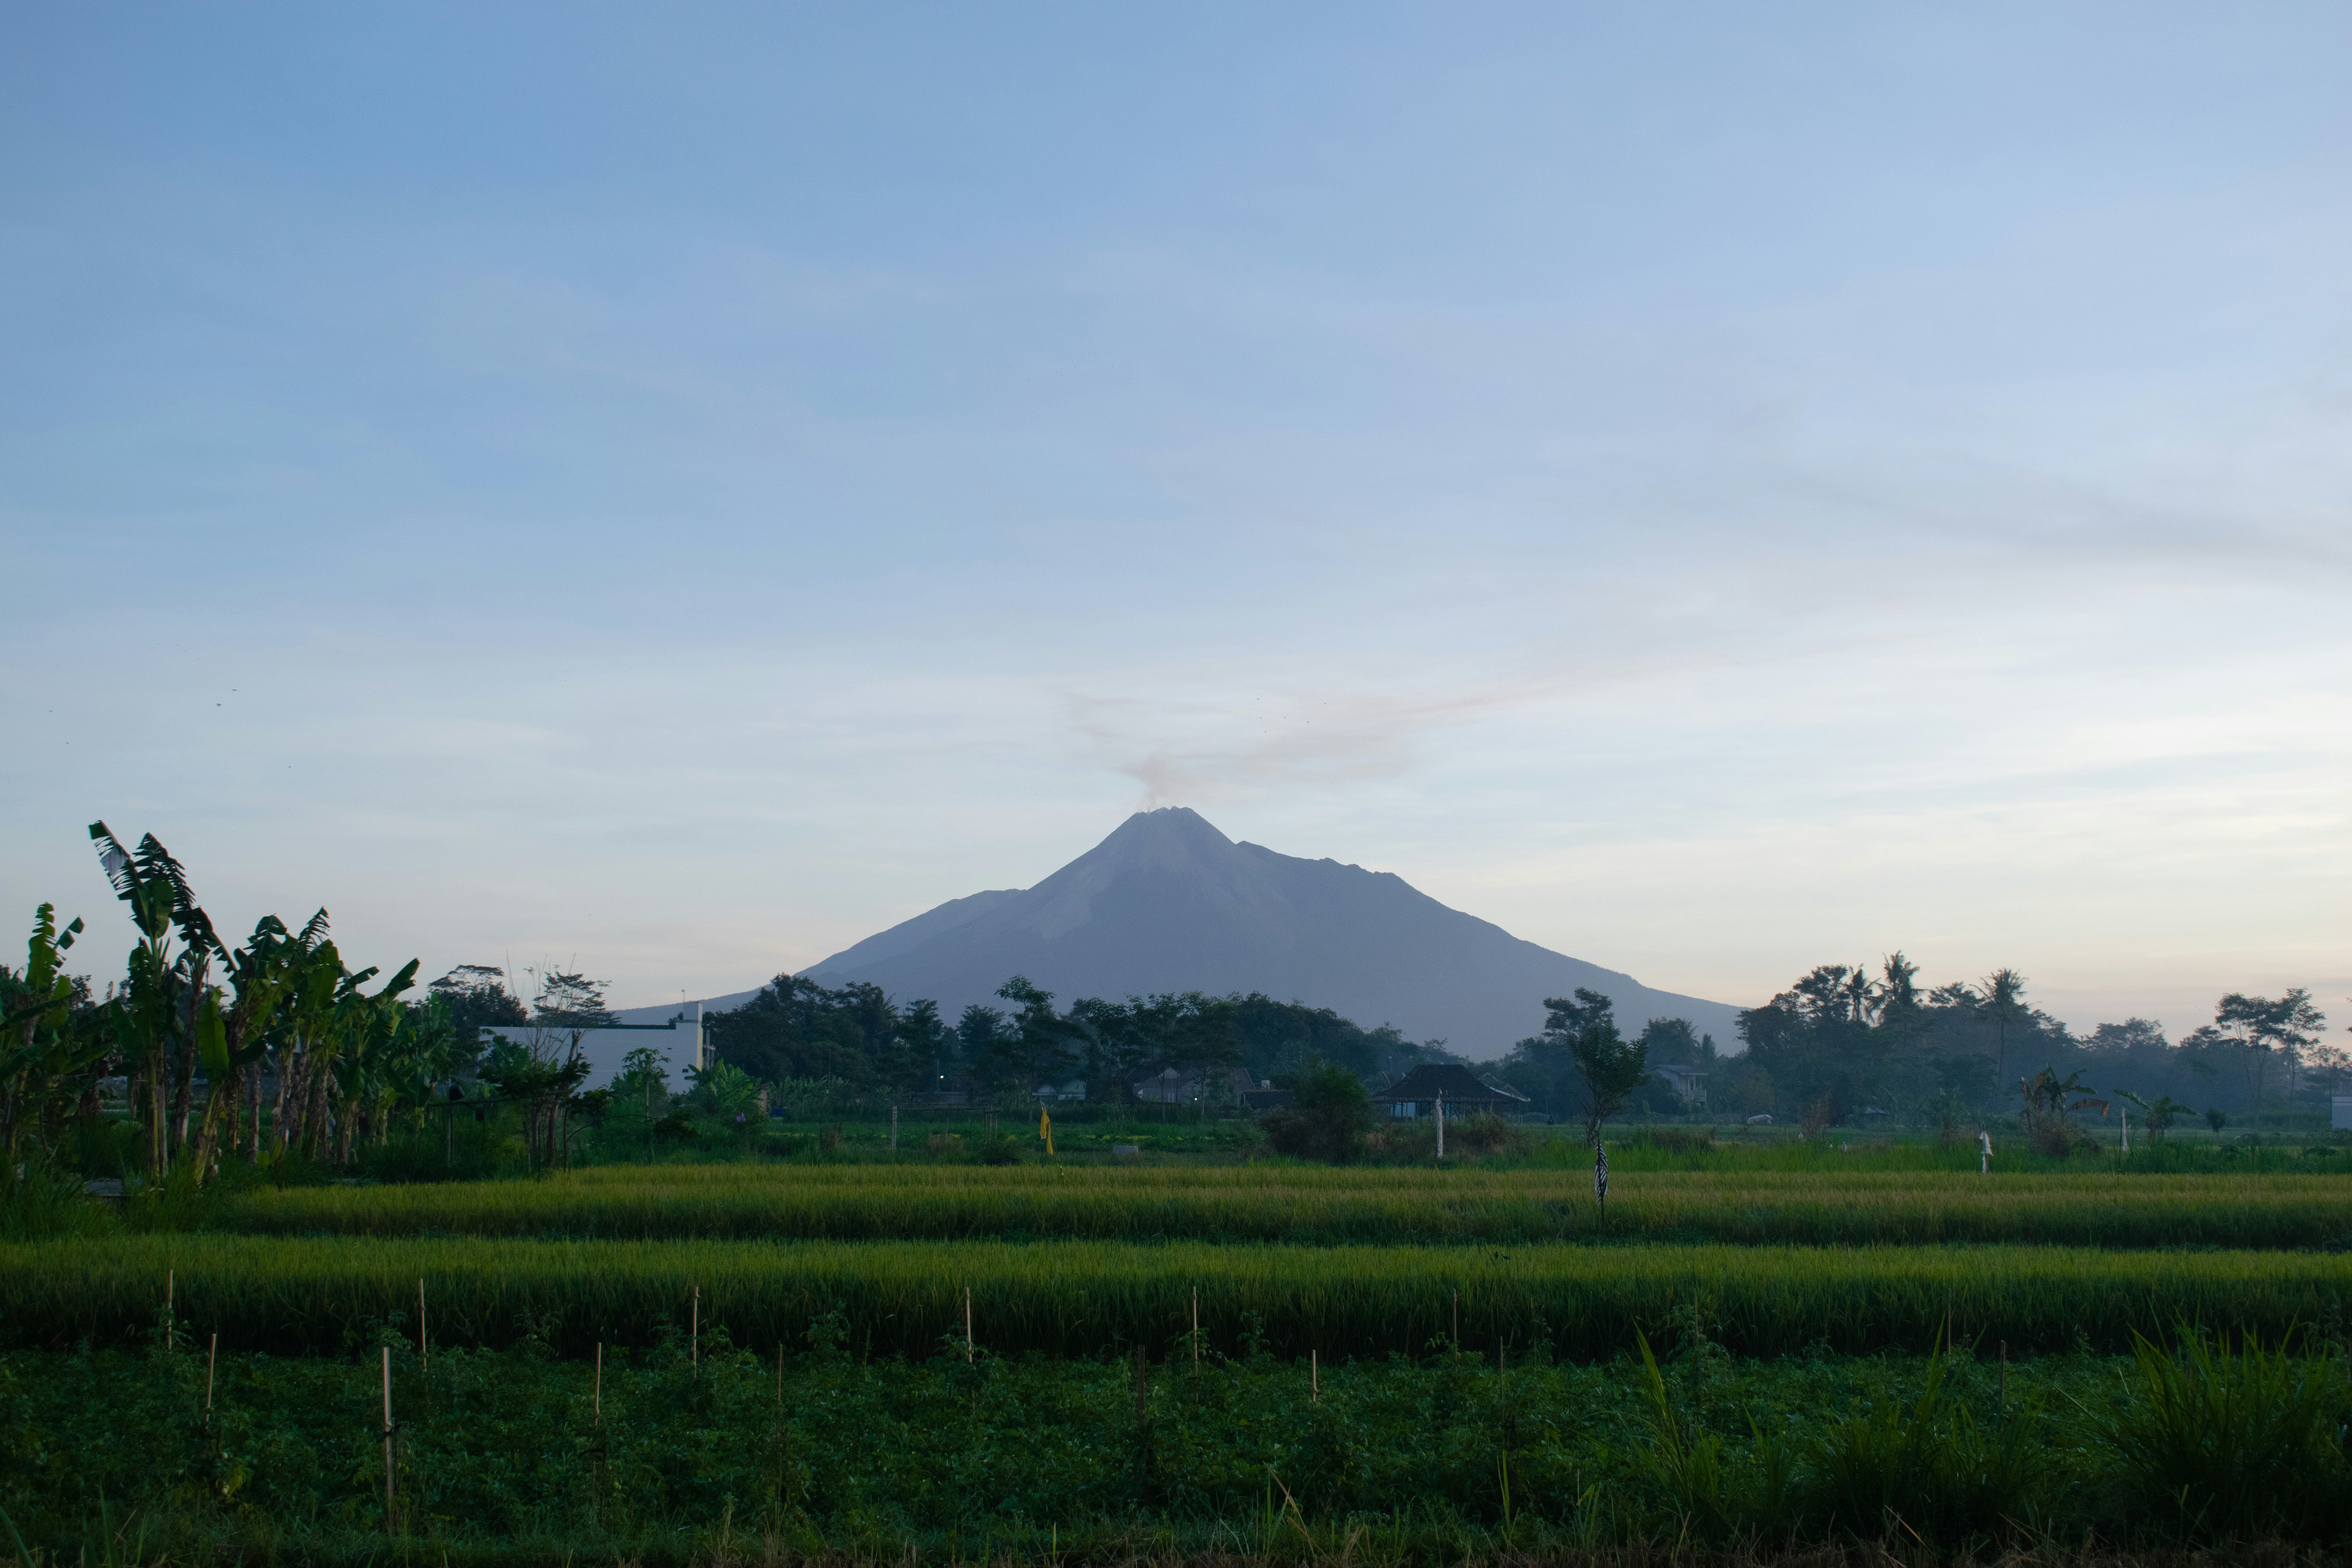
[795,1027]
[1842,1044]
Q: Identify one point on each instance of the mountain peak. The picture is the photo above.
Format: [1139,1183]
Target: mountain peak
[1168,903]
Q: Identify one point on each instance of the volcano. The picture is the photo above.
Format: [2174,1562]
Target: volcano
[1169,903]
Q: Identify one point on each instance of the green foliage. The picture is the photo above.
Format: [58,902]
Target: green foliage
[1802,1206]
[515,1455]
[1075,1298]
[2229,1443]
[1328,1118]
[725,1090]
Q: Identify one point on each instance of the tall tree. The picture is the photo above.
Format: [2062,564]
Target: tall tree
[2264,1024]
[2003,1000]
[1610,1067]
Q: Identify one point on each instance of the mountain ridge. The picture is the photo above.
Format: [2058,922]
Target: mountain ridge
[1167,903]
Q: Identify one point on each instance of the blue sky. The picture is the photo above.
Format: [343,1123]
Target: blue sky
[1714,489]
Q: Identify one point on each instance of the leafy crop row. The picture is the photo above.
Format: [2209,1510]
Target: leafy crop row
[852,1202]
[1086,1298]
[664,1456]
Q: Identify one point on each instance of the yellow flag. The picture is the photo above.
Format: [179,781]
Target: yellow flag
[1045,1129]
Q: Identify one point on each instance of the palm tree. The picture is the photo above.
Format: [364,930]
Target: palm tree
[2004,1003]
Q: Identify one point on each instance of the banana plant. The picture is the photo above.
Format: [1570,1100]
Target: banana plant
[232,1040]
[148,1018]
[44,1049]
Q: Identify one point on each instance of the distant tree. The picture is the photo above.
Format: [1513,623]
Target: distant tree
[569,1001]
[989,1047]
[1328,1117]
[1049,1045]
[910,1057]
[1611,1068]
[1674,1042]
[2131,1034]
[2263,1025]
[479,1000]
[2330,1061]
[2217,1119]
[2159,1113]
[792,1027]
[2003,1003]
[643,1079]
[2050,1103]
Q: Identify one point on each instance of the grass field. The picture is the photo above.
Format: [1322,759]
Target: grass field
[1077,1297]
[1315,1206]
[785,1371]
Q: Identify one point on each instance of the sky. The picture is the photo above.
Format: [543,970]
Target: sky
[671,491]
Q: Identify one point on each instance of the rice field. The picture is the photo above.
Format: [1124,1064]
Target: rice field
[1320,1206]
[1091,1298]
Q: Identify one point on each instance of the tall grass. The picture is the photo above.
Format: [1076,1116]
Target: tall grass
[1087,1298]
[2231,1438]
[1321,1206]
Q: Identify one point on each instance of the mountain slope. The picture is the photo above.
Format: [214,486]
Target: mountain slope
[1169,903]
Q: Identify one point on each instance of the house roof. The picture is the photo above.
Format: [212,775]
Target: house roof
[1451,1081]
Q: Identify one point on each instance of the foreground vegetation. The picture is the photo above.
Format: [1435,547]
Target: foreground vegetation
[1298,1203]
[667,1456]
[907,1298]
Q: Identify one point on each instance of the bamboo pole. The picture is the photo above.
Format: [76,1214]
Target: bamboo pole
[387,1437]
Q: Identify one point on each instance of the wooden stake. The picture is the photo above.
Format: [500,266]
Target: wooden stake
[694,1344]
[1314,1378]
[600,1382]
[420,1318]
[211,1360]
[170,1318]
[967,1325]
[387,1437]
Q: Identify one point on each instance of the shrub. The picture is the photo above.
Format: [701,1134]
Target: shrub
[1328,1118]
[1928,1466]
[2223,1443]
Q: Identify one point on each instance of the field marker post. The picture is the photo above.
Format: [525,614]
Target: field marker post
[600,1382]
[387,1437]
[211,1360]
[1441,1124]
[694,1340]
[967,1325]
[1314,1377]
[420,1317]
